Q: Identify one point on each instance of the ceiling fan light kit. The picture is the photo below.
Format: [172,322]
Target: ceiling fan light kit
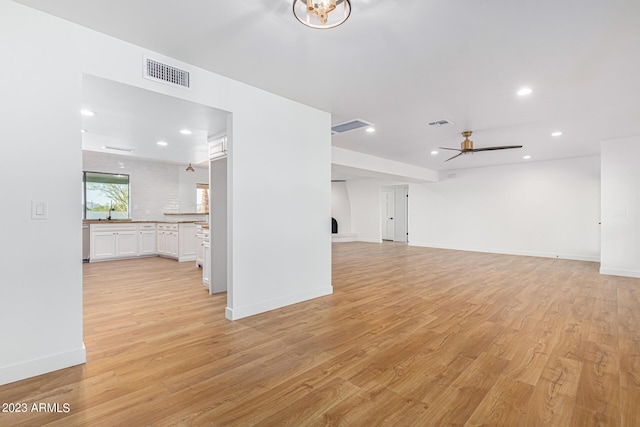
[466,147]
[322,14]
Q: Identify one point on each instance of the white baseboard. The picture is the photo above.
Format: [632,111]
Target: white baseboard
[367,240]
[575,257]
[42,365]
[620,272]
[339,238]
[262,307]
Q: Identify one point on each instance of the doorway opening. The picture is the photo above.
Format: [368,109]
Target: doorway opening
[150,137]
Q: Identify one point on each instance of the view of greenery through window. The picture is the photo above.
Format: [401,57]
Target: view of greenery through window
[202,198]
[106,195]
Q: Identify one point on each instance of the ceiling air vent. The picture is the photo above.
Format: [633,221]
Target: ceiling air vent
[158,71]
[349,126]
[441,123]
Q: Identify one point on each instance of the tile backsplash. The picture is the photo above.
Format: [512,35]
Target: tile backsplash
[154,186]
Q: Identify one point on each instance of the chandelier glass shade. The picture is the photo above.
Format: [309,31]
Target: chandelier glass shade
[322,13]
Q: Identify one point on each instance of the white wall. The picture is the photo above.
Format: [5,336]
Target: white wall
[364,195]
[621,207]
[187,184]
[154,187]
[219,242]
[548,209]
[401,217]
[272,176]
[341,207]
[40,275]
[362,164]
[280,204]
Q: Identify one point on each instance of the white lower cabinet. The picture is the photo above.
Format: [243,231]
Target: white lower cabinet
[186,242]
[103,245]
[129,240]
[172,244]
[199,246]
[147,245]
[206,258]
[168,240]
[112,241]
[126,244]
[161,242]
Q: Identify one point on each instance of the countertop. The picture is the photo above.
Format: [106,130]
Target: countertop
[131,221]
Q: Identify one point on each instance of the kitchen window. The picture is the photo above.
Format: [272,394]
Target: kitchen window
[106,196]
[202,198]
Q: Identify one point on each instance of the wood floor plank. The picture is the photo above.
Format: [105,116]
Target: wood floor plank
[504,405]
[553,400]
[598,395]
[410,337]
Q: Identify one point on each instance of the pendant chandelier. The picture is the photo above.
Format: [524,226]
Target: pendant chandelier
[322,13]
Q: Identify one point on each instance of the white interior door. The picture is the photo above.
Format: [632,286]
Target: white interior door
[401,217]
[387,209]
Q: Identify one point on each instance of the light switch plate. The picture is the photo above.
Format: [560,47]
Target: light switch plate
[39,210]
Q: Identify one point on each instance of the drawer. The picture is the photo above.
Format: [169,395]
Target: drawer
[146,227]
[168,227]
[112,227]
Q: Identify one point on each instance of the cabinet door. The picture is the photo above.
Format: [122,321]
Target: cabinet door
[206,266]
[103,245]
[199,250]
[172,244]
[187,242]
[126,244]
[147,242]
[162,242]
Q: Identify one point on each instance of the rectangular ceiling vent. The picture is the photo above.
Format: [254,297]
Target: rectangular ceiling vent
[349,126]
[154,70]
[441,123]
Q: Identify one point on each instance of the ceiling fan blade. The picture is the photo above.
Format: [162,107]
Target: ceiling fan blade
[502,147]
[457,155]
[452,149]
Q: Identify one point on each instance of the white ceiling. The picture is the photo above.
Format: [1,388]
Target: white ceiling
[401,64]
[130,117]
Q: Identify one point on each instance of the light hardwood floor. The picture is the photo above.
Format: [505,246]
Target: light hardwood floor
[410,337]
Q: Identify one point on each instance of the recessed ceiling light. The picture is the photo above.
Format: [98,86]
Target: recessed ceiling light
[525,91]
[162,143]
[558,133]
[87,113]
[371,130]
[83,130]
[185,132]
[434,152]
[526,157]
